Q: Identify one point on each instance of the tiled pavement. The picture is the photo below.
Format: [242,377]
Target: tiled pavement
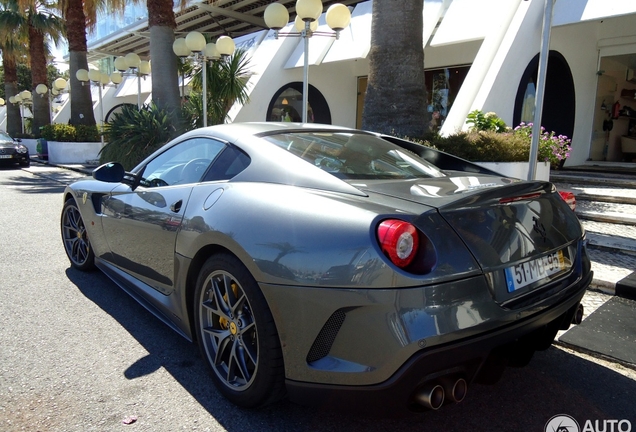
[606,206]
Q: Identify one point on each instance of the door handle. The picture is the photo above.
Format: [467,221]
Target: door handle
[176,207]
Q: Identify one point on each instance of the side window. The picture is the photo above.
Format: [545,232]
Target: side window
[183,163]
[229,163]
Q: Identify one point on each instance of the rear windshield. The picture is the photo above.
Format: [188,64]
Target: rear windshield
[355,155]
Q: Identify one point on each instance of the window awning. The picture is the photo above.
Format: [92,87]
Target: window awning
[573,11]
[128,87]
[355,40]
[469,20]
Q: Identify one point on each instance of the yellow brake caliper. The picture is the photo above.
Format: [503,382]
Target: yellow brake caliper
[223,321]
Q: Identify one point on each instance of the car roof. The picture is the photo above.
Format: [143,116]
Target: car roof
[234,132]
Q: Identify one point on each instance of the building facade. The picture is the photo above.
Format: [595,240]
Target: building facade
[478,55]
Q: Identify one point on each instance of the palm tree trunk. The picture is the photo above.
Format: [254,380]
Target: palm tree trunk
[165,78]
[41,114]
[14,119]
[81,99]
[395,102]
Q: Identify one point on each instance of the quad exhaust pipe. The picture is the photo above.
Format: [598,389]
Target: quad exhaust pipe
[433,394]
[455,389]
[430,396]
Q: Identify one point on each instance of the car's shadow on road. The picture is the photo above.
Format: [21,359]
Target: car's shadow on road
[30,183]
[555,382]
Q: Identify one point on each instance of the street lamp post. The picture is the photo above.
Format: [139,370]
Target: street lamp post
[100,79]
[21,99]
[139,68]
[195,44]
[308,11]
[540,90]
[42,90]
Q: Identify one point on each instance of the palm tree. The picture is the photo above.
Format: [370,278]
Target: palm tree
[29,21]
[165,81]
[40,24]
[226,84]
[10,47]
[395,101]
[79,15]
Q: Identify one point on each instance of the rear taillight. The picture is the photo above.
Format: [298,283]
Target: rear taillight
[399,241]
[569,198]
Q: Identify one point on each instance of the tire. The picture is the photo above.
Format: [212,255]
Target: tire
[237,335]
[75,238]
[25,164]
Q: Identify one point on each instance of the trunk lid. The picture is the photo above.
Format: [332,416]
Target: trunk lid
[501,220]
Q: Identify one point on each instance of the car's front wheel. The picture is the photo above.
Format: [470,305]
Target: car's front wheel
[75,238]
[237,335]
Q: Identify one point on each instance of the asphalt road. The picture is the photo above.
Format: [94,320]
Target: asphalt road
[78,354]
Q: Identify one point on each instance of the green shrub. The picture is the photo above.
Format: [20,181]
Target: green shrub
[48,132]
[483,146]
[59,132]
[70,133]
[486,122]
[134,133]
[65,133]
[86,133]
[489,140]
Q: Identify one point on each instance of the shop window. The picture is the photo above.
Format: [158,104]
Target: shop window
[287,105]
[442,86]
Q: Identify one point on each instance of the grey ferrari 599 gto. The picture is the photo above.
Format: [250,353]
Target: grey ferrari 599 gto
[334,266]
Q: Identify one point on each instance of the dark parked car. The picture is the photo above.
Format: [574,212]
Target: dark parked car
[12,151]
[335,266]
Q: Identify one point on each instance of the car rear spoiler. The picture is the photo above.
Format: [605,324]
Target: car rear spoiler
[442,160]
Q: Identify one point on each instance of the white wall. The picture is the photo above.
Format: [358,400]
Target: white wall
[337,81]
[110,98]
[577,43]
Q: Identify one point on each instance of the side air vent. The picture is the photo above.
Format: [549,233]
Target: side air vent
[324,341]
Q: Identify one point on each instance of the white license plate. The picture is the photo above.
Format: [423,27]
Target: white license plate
[529,272]
[6,156]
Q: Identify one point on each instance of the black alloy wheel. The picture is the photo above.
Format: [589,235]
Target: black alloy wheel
[75,238]
[237,335]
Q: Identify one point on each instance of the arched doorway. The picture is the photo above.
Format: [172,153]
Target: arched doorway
[559,100]
[114,110]
[287,105]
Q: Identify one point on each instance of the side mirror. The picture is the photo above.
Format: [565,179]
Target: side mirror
[111,172]
[17,140]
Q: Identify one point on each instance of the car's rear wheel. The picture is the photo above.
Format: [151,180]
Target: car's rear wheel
[237,335]
[75,238]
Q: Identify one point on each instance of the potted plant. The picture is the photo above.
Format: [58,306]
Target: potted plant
[72,144]
[553,148]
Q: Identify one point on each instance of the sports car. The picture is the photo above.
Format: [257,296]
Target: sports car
[12,151]
[334,266]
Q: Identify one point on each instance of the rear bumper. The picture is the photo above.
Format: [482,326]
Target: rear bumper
[465,358]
